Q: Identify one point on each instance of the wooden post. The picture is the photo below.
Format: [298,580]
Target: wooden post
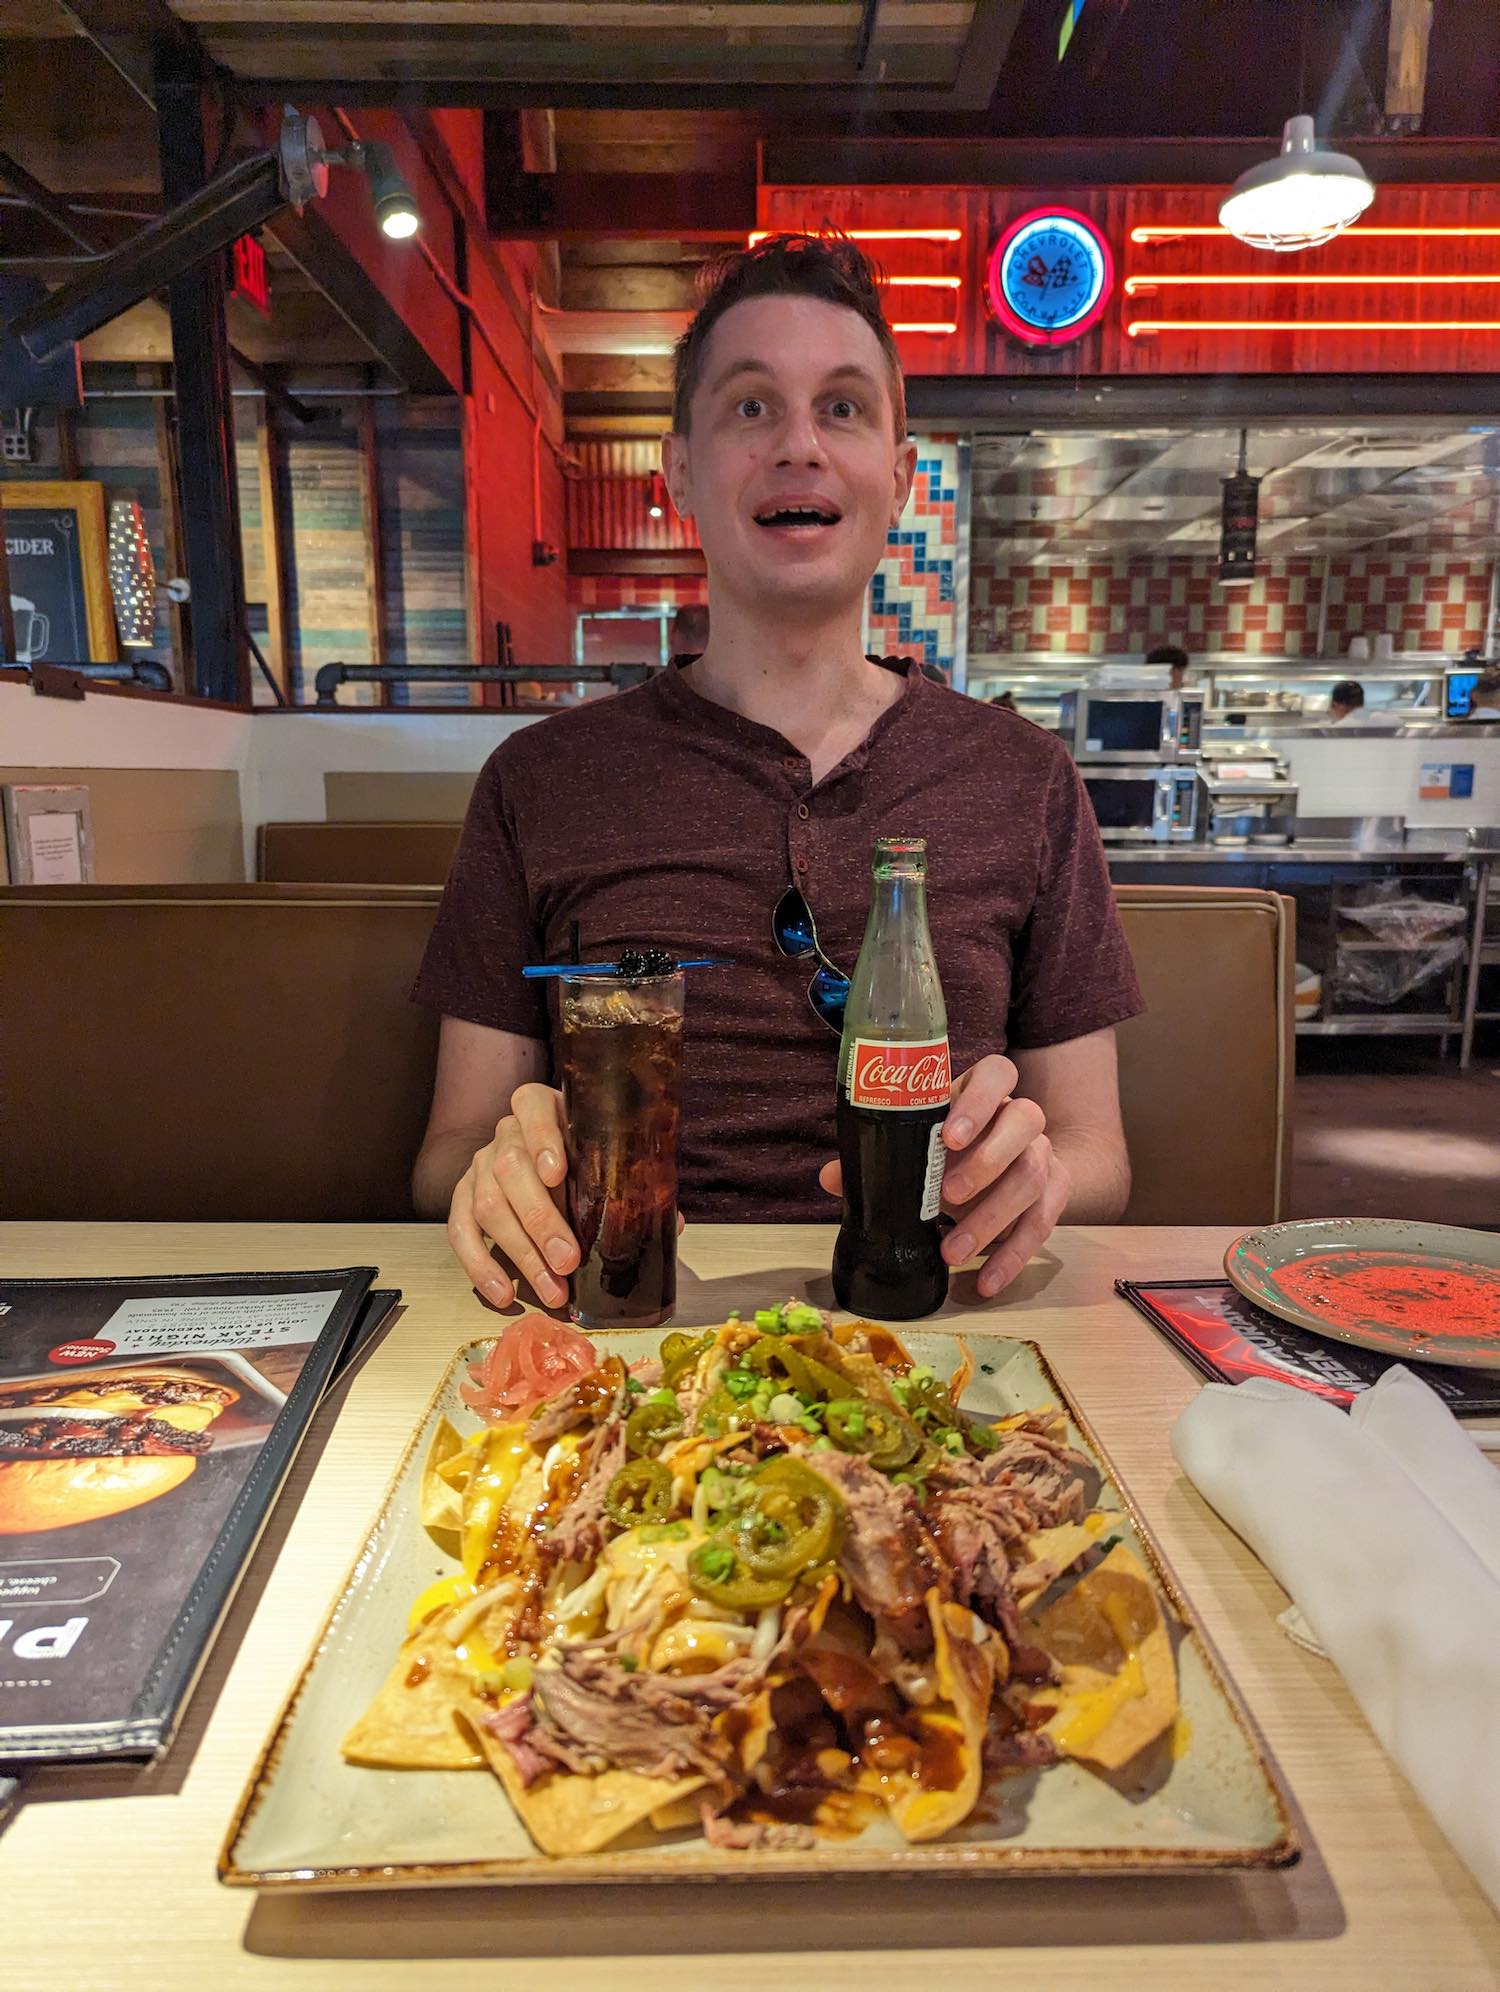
[67,444]
[170,479]
[1406,61]
[369,454]
[268,462]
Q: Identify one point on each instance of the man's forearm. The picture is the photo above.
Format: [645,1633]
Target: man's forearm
[443,1160]
[1099,1169]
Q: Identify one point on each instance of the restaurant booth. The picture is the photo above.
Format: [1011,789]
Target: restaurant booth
[273,1711]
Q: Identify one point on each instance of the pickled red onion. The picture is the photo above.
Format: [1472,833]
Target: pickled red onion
[534,1359]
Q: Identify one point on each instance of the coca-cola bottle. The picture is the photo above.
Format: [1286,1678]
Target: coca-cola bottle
[893,1092]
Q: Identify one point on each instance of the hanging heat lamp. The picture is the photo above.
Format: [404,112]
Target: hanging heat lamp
[1239,521]
[1299,200]
[132,573]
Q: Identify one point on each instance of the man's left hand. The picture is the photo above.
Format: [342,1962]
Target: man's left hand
[1004,1184]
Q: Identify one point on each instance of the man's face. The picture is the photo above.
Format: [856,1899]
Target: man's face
[792,469]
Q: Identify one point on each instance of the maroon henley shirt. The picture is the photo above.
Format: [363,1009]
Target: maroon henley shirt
[656,818]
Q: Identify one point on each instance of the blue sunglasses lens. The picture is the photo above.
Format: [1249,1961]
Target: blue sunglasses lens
[829,993]
[792,925]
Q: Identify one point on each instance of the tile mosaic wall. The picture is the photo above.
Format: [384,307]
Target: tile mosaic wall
[1124,607]
[913,606]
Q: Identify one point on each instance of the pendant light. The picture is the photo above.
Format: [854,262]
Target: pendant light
[1299,200]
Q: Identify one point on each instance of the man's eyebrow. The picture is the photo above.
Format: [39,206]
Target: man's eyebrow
[736,368]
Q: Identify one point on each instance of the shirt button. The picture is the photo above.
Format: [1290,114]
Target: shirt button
[793,762]
[803,811]
[801,864]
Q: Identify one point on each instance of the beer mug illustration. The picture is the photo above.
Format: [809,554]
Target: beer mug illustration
[32,630]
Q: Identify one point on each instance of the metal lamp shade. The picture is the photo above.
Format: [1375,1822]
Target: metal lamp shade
[1299,200]
[132,573]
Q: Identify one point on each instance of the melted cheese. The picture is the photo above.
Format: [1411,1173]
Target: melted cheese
[1090,1712]
[506,1453]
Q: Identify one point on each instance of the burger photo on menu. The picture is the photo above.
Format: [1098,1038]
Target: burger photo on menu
[79,1450]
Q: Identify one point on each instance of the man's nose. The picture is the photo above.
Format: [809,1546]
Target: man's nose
[801,439]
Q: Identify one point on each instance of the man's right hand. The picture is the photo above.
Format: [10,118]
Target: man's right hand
[509,1196]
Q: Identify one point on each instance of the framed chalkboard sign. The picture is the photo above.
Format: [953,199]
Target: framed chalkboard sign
[57,558]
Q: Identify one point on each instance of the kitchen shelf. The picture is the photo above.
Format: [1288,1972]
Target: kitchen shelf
[1385,1025]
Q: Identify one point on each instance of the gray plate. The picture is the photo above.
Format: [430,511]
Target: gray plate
[308,1820]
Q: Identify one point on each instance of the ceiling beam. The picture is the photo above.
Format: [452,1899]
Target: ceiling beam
[1189,401]
[831,161]
[976,74]
[1406,63]
[128,34]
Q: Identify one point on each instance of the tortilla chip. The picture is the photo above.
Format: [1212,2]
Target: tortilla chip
[952,1728]
[1119,1681]
[1051,1552]
[569,1814]
[412,1724]
[442,1502]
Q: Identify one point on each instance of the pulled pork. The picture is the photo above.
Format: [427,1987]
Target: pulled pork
[887,1553]
[591,1712]
[579,1534]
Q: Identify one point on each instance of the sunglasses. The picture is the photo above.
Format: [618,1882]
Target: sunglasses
[796,936]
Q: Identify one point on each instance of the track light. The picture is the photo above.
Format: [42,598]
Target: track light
[395,209]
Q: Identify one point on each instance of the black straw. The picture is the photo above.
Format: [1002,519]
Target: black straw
[575,953]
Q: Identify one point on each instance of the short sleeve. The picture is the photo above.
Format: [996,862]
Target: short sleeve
[484,932]
[1073,973]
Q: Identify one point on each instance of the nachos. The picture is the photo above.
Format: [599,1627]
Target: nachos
[770,1581]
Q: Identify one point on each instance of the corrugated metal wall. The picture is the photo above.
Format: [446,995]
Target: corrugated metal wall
[609,505]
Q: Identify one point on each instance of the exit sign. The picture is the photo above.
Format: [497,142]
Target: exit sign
[252,280]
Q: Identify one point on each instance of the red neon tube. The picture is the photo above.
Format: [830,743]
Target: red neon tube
[1139,328]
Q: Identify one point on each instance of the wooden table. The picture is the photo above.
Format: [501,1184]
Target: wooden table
[107,1877]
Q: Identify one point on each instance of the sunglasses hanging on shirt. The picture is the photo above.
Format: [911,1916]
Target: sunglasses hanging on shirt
[795,933]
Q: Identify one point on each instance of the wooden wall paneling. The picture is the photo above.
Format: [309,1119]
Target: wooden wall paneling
[268,470]
[1463,318]
[369,456]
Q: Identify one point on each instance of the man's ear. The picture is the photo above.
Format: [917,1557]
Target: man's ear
[674,469]
[905,470]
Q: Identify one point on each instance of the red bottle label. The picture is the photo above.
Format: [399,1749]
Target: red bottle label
[899,1076]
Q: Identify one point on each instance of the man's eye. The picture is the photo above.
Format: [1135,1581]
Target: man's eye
[843,408]
[752,406]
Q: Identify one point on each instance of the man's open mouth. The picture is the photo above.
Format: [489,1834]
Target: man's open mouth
[798,515]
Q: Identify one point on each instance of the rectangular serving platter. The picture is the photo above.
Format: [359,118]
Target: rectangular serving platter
[307,1820]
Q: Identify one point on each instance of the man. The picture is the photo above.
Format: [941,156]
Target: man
[1172,658]
[1484,700]
[1346,698]
[677,814]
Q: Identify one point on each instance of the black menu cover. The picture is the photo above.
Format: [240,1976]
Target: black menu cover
[1229,1338]
[146,1426]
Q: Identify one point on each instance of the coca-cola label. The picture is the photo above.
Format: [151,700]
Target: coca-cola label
[899,1077]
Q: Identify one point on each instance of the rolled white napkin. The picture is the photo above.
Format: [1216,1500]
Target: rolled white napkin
[1419,1432]
[1392,1591]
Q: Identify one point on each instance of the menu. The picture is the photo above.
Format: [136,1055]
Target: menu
[1229,1338]
[146,1426]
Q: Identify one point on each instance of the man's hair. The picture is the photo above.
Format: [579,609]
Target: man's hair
[1487,684]
[830,267]
[1168,653]
[1347,692]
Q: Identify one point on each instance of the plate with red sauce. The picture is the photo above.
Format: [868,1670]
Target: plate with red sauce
[1429,1291]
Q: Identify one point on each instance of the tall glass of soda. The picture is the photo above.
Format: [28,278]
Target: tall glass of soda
[621,1043]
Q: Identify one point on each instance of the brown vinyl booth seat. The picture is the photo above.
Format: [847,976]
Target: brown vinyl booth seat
[249,1052]
[1206,1074]
[240,1052]
[355,853]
